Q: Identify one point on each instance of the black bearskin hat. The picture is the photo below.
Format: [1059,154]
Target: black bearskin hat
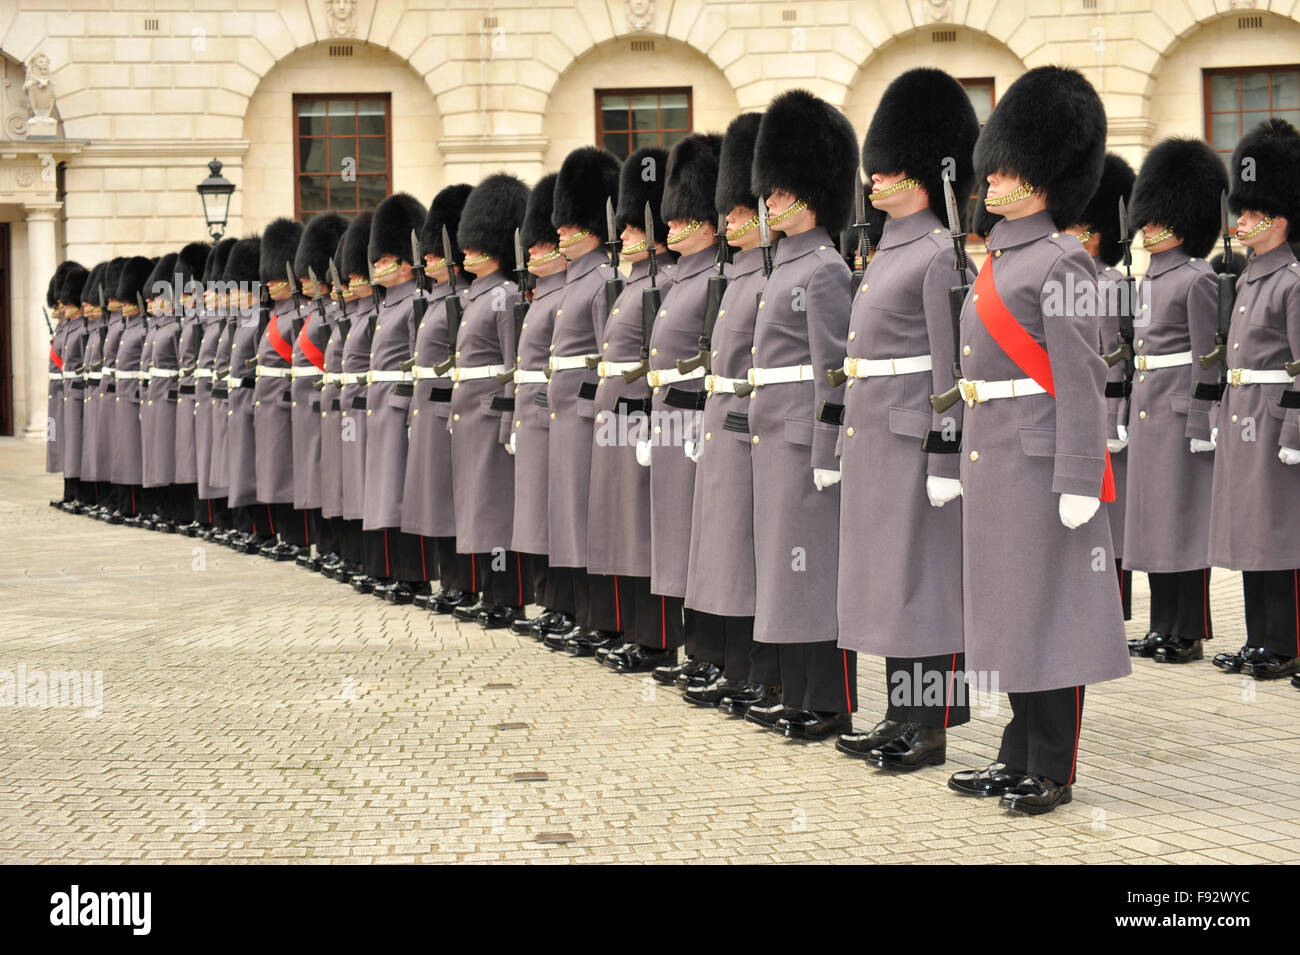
[317,245]
[190,263]
[692,178]
[537,229]
[352,253]
[74,280]
[1272,151]
[492,213]
[1102,212]
[242,263]
[641,180]
[54,291]
[925,127]
[135,272]
[1179,186]
[445,210]
[1050,130]
[808,147]
[216,264]
[279,245]
[588,176]
[162,279]
[735,163]
[113,275]
[390,231]
[90,291]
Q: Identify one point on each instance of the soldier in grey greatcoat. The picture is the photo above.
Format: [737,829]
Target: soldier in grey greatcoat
[102,394]
[900,509]
[92,373]
[74,382]
[720,574]
[1041,604]
[213,512]
[158,374]
[54,445]
[128,465]
[805,170]
[1171,451]
[1254,522]
[588,177]
[191,263]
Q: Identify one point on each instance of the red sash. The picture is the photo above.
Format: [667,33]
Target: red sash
[309,349]
[1029,356]
[56,357]
[282,347]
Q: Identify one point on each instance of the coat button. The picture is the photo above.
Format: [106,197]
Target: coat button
[965,350]
[615,312]
[849,432]
[753,350]
[974,455]
[369,412]
[853,336]
[1142,378]
[1236,345]
[708,436]
[715,354]
[454,417]
[256,404]
[1142,415]
[656,391]
[517,424]
[1234,419]
[663,312]
[654,352]
[997,254]
[1139,343]
[293,404]
[658,429]
[600,417]
[523,326]
[559,311]
[756,439]
[761,304]
[605,347]
[552,415]
[415,411]
[721,312]
[1242,308]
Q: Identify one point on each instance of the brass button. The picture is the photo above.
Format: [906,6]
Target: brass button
[559,311]
[415,411]
[663,312]
[454,417]
[753,350]
[997,254]
[517,424]
[369,412]
[552,415]
[654,352]
[1142,415]
[715,354]
[615,312]
[605,347]
[1242,308]
[457,354]
[822,247]
[853,336]
[256,404]
[293,404]
[974,455]
[849,432]
[761,304]
[1142,378]
[708,436]
[965,350]
[1234,419]
[1236,345]
[721,312]
[656,390]
[756,439]
[600,417]
[658,429]
[1139,343]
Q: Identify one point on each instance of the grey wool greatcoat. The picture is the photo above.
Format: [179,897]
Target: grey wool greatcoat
[1042,607]
[74,393]
[205,361]
[388,404]
[1255,518]
[54,405]
[105,392]
[532,423]
[900,557]
[720,578]
[1167,511]
[677,331]
[219,410]
[187,405]
[483,473]
[158,414]
[305,403]
[273,407]
[331,414]
[579,324]
[803,319]
[1117,406]
[618,515]
[427,502]
[241,463]
[354,400]
[128,465]
[94,354]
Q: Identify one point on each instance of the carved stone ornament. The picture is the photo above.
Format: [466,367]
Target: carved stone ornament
[640,13]
[938,11]
[342,17]
[40,98]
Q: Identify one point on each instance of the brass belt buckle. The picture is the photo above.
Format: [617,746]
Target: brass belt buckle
[1234,377]
[1142,362]
[969,390]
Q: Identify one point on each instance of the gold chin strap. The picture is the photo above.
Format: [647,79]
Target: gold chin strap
[1263,225]
[574,239]
[1156,239]
[1085,235]
[388,269]
[901,186]
[477,260]
[543,259]
[748,226]
[691,228]
[431,268]
[634,249]
[795,208]
[347,293]
[276,286]
[357,283]
[1024,192]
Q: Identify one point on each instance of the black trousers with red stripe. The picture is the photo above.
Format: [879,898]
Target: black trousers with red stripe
[1180,604]
[818,676]
[391,554]
[928,690]
[291,525]
[351,547]
[327,533]
[1043,735]
[499,577]
[728,642]
[130,498]
[1273,610]
[560,591]
[536,573]
[251,519]
[213,511]
[1125,588]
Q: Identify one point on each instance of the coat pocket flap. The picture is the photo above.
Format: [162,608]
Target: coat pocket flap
[1038,442]
[799,431]
[1180,403]
[909,423]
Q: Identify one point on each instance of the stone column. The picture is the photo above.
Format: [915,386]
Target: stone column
[32,352]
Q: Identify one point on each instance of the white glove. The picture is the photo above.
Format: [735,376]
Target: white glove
[824,478]
[513,444]
[1289,456]
[643,453]
[692,450]
[941,490]
[1077,510]
[1214,436]
[1198,445]
[1122,431]
[1115,445]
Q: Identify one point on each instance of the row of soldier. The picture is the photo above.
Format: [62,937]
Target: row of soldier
[738,445]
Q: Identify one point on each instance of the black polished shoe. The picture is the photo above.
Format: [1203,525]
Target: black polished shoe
[749,695]
[164,527]
[914,747]
[383,588]
[1270,666]
[701,673]
[560,641]
[468,612]
[499,616]
[1176,649]
[1235,662]
[1035,795]
[859,745]
[711,694]
[73,507]
[282,552]
[191,529]
[619,643]
[1295,681]
[585,642]
[635,658]
[528,626]
[449,598]
[1146,646]
[363,583]
[249,544]
[554,622]
[993,780]
[767,715]
[404,592]
[57,504]
[117,517]
[667,675]
[813,726]
[135,520]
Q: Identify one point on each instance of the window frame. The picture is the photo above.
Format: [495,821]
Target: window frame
[630,91]
[299,175]
[1207,114]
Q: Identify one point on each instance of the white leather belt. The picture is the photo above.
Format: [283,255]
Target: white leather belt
[1147,362]
[476,372]
[670,376]
[333,378]
[128,374]
[305,371]
[269,371]
[979,391]
[714,384]
[202,372]
[94,375]
[523,377]
[428,373]
[69,375]
[1251,376]
[56,376]
[608,369]
[387,375]
[882,367]
[352,377]
[758,377]
[164,373]
[234,383]
[568,362]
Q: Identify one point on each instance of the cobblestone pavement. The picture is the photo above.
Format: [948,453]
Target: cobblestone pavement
[254,711]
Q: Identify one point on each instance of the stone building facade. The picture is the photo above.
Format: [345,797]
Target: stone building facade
[112,108]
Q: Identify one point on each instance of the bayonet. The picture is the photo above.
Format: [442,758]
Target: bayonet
[453,308]
[764,238]
[48,326]
[649,301]
[712,304]
[956,300]
[1227,298]
[613,284]
[864,239]
[521,306]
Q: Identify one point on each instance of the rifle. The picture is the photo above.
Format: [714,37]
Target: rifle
[296,324]
[453,309]
[956,299]
[336,283]
[712,305]
[613,284]
[649,302]
[1227,298]
[744,388]
[521,306]
[864,238]
[48,327]
[417,270]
